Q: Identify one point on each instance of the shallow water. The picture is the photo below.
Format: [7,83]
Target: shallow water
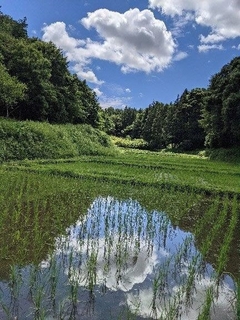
[119,261]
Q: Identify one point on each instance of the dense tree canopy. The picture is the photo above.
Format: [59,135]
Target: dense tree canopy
[221,111]
[44,88]
[198,118]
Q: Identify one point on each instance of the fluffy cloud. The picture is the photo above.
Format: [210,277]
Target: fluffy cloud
[236,47]
[73,48]
[98,92]
[135,40]
[86,73]
[222,17]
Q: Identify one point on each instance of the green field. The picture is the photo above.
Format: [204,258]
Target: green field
[41,199]
[184,172]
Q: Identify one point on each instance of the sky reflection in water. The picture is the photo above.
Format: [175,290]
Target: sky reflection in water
[151,267]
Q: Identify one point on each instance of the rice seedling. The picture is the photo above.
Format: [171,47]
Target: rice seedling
[112,225]
[206,309]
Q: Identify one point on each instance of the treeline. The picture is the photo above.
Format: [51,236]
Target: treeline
[35,82]
[198,118]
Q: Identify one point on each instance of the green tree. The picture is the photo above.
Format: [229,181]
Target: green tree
[17,29]
[137,125]
[153,127]
[11,92]
[52,93]
[90,104]
[221,113]
[30,66]
[182,127]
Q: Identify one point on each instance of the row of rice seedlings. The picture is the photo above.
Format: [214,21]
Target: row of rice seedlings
[30,216]
[195,267]
[184,174]
[222,208]
[227,241]
[121,171]
[219,221]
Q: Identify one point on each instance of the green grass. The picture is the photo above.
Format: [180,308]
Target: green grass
[36,140]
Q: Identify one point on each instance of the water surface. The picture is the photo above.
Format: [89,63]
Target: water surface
[119,261]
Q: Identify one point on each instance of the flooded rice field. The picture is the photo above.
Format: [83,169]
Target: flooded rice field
[116,260]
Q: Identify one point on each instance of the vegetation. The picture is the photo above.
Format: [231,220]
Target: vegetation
[129,143]
[40,200]
[62,180]
[198,118]
[187,173]
[31,140]
[37,85]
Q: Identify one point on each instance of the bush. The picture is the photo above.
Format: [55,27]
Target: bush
[130,143]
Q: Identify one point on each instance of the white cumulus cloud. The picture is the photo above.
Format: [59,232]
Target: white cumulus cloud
[73,48]
[134,40]
[222,17]
[98,92]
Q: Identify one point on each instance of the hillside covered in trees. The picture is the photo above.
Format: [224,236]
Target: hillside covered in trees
[203,117]
[36,84]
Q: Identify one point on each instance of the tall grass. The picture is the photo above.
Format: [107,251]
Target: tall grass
[34,140]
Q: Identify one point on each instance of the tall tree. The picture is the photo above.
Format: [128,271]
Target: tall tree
[153,129]
[221,113]
[90,103]
[11,92]
[30,66]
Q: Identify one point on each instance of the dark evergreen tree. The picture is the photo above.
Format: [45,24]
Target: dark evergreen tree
[153,129]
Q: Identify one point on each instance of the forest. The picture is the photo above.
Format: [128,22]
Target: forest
[36,84]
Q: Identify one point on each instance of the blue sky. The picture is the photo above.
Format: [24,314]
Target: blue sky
[134,52]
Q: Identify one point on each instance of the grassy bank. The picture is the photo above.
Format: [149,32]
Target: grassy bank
[34,140]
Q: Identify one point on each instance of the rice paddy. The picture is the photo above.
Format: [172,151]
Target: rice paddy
[138,236]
